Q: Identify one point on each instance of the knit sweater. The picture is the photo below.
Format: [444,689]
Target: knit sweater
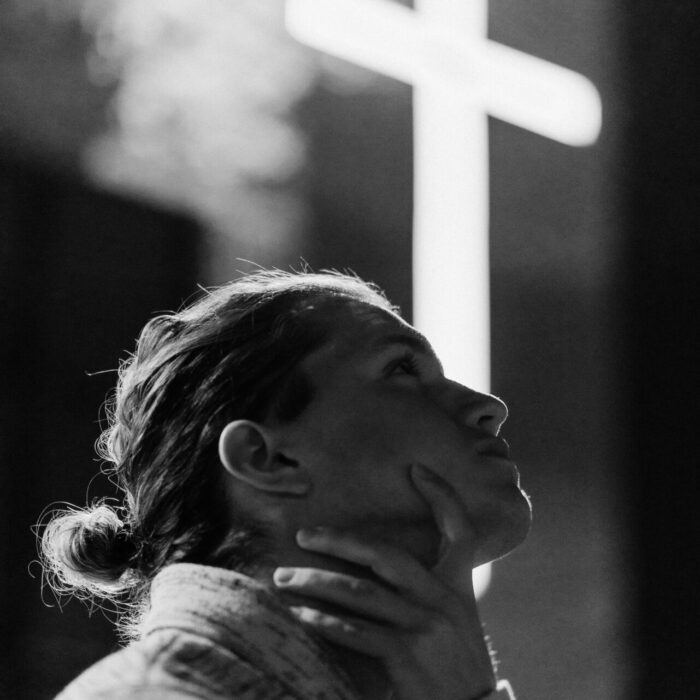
[214,634]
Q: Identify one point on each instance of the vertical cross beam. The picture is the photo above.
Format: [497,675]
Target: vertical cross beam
[451,202]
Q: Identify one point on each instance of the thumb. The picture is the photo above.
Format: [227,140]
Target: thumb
[458,536]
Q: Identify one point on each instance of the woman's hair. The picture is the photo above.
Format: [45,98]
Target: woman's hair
[232,354]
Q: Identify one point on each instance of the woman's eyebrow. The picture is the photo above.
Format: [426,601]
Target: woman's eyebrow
[414,340]
[411,339]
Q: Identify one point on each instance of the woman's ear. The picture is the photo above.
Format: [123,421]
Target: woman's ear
[247,452]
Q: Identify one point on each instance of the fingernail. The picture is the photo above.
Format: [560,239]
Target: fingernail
[283,575]
[307,534]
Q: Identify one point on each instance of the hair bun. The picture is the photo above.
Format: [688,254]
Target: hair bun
[88,549]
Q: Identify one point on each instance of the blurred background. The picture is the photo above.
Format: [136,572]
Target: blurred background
[147,148]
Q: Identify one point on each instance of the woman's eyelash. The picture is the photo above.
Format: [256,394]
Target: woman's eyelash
[407,363]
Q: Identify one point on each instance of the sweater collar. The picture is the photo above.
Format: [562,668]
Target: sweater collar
[244,616]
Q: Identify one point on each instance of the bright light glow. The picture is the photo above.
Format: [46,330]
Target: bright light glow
[425,47]
[539,96]
[459,78]
[450,233]
[481,577]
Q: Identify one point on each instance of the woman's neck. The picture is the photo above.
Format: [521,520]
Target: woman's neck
[367,674]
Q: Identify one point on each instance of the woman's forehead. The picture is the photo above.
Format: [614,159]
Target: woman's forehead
[354,329]
[364,320]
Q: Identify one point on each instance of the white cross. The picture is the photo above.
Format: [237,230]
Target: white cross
[459,78]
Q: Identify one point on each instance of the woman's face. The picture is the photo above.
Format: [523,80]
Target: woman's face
[381,404]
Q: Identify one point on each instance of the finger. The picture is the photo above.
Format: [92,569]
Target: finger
[358,596]
[391,564]
[448,510]
[456,557]
[350,632]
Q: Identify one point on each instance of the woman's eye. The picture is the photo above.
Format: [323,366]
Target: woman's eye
[405,365]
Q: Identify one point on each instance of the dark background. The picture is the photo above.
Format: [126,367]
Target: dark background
[594,281]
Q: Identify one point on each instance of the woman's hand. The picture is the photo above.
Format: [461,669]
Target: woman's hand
[423,625]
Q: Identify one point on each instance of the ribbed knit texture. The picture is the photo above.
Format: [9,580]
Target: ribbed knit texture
[214,634]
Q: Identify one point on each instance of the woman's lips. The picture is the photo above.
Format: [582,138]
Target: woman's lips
[493,447]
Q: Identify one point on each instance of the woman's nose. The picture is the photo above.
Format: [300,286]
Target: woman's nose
[483,411]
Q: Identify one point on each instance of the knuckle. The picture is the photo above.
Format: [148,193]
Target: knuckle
[309,615]
[360,586]
[350,627]
[315,615]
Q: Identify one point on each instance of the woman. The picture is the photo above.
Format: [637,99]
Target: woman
[193,576]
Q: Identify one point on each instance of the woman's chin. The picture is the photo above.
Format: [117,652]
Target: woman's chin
[504,531]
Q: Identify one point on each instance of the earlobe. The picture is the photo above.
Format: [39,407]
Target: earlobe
[247,452]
